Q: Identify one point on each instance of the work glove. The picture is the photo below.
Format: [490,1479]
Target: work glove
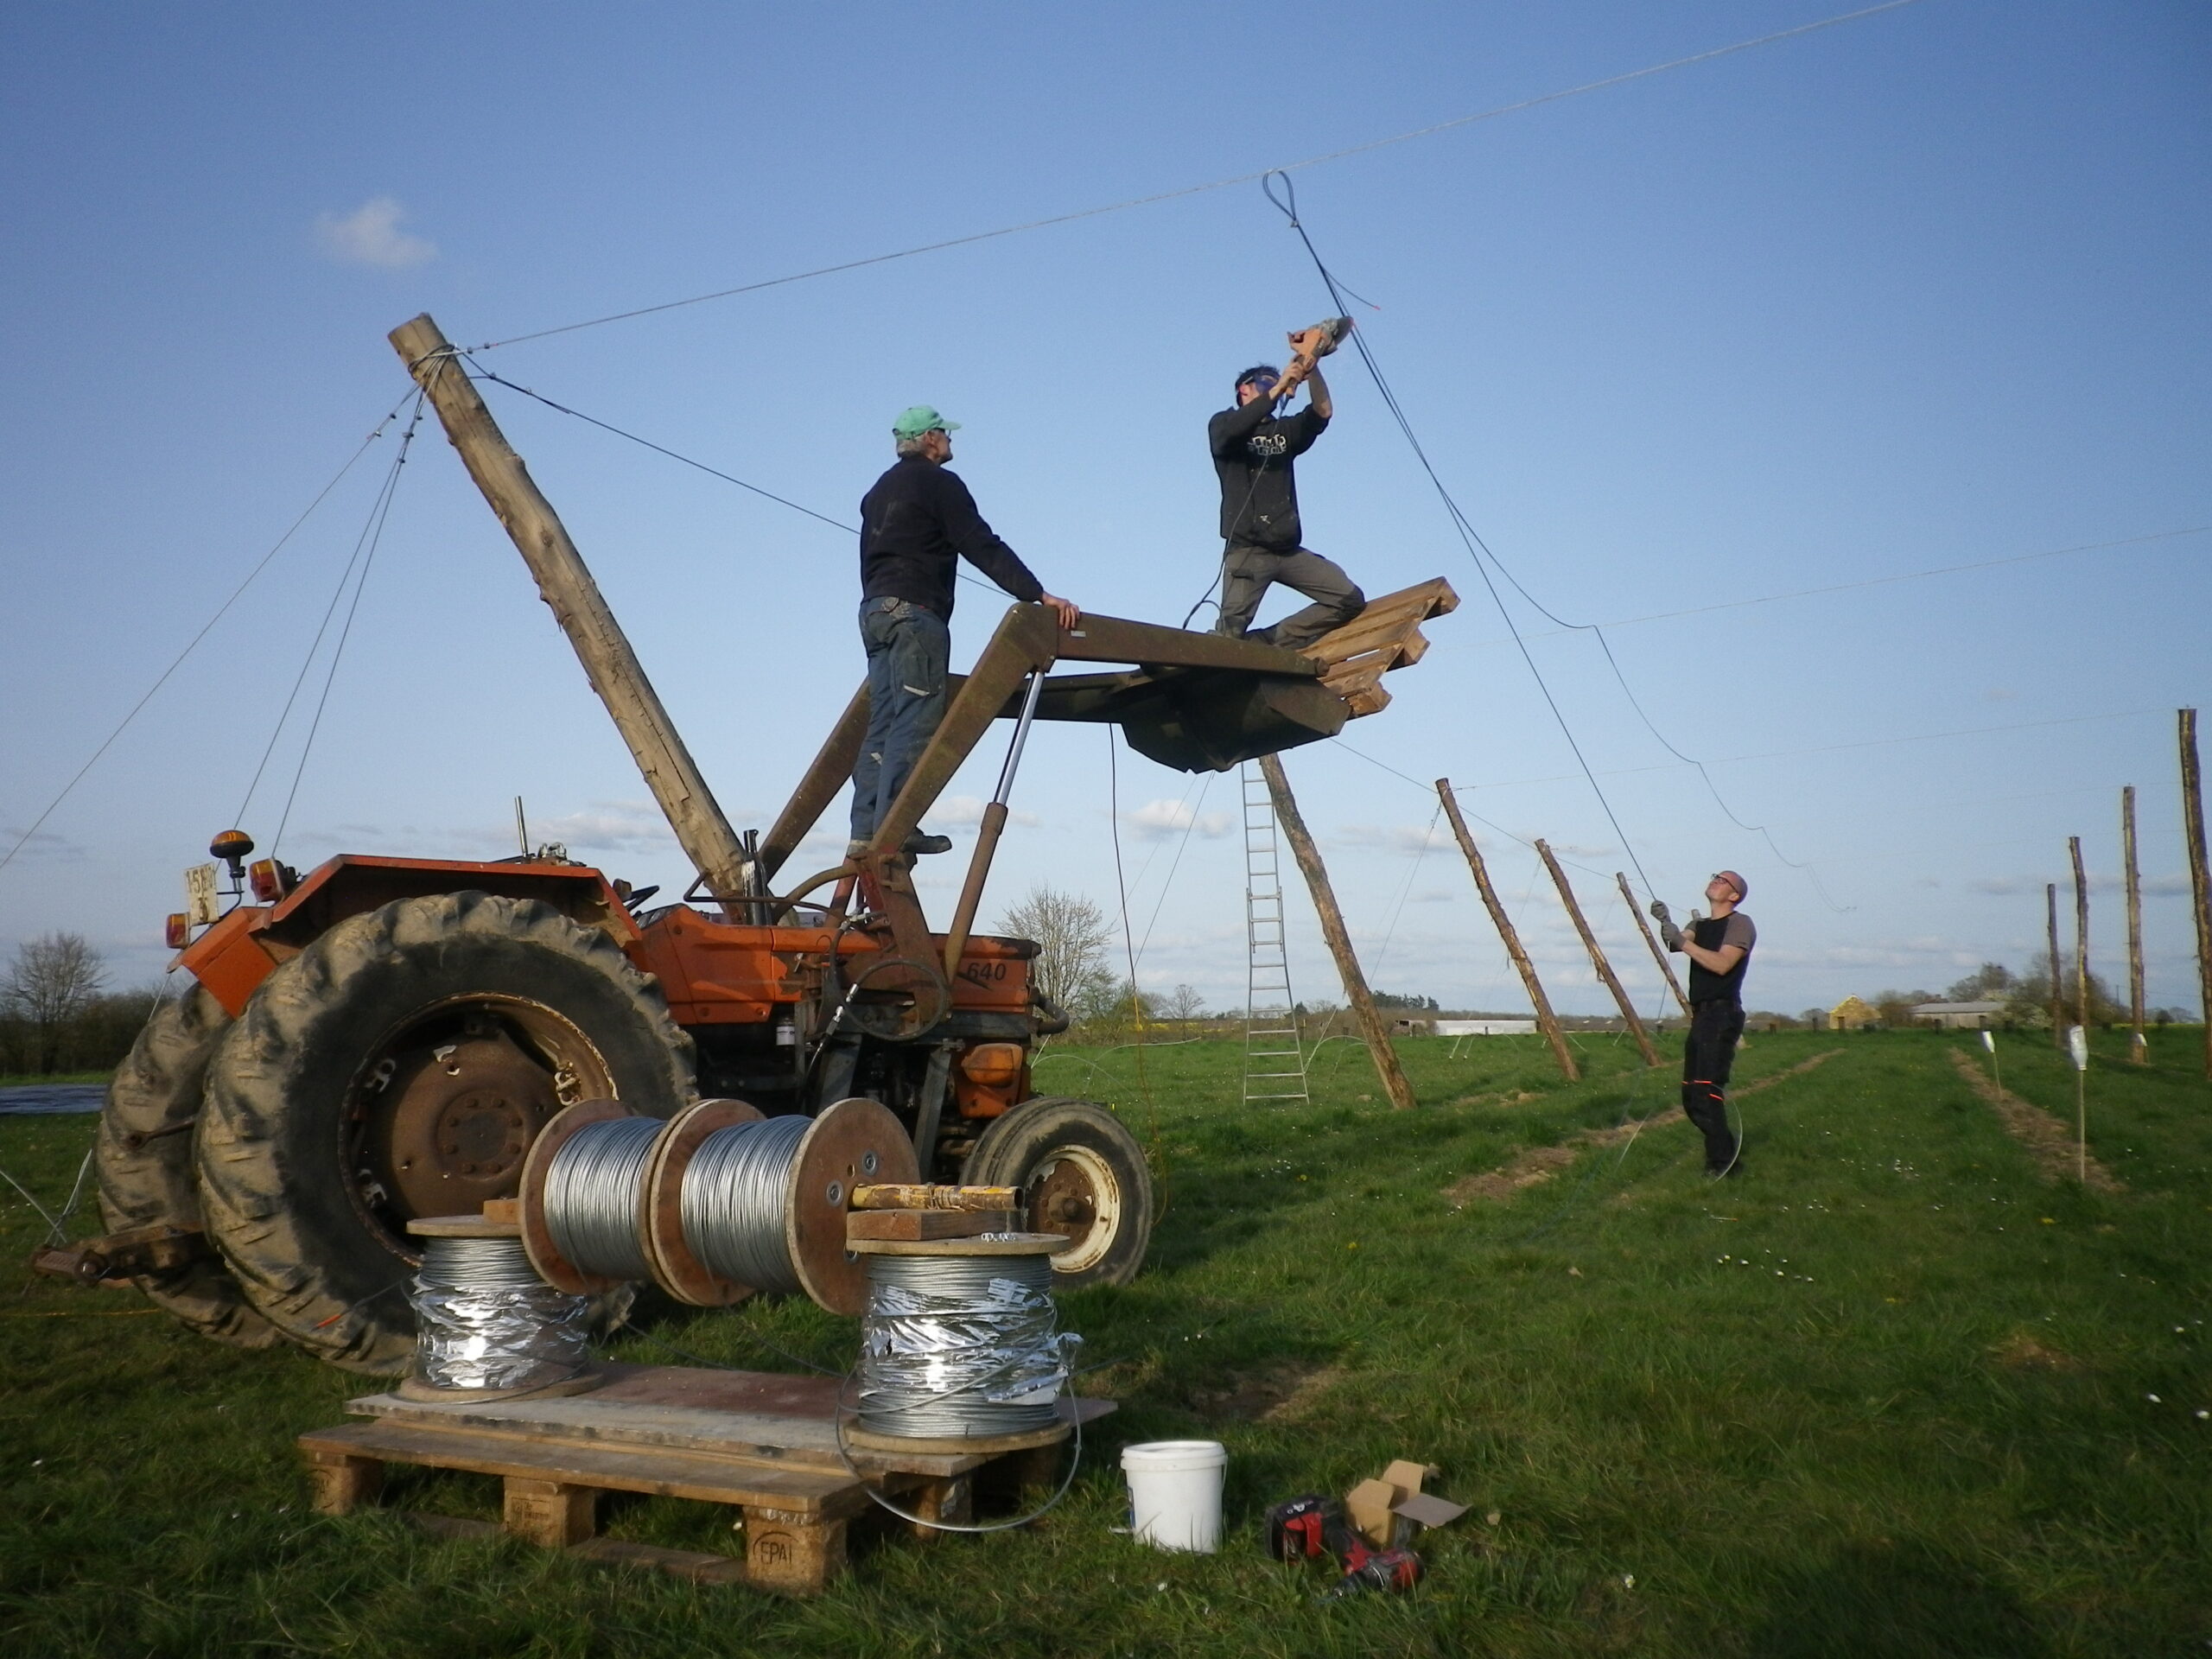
[1669,934]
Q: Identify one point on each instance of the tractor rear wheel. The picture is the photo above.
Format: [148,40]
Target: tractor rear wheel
[1083,1175]
[400,1066]
[144,1160]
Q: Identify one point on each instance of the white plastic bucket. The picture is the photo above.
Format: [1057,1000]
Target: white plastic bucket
[1175,1493]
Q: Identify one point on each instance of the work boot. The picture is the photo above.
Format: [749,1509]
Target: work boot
[855,850]
[918,843]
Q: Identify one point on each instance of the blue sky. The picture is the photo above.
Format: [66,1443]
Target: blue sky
[1919,290]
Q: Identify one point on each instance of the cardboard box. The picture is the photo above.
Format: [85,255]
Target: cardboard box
[1386,1510]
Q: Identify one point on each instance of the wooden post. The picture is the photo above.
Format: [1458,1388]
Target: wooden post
[566,586]
[1333,929]
[2080,936]
[1547,1021]
[2199,877]
[1658,954]
[2058,970]
[1597,956]
[2139,1045]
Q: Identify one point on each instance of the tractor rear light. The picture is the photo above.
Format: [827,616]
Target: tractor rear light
[179,931]
[266,877]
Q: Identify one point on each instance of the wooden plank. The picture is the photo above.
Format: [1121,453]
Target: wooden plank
[752,1416]
[930,1223]
[881,1195]
[552,1514]
[662,1472]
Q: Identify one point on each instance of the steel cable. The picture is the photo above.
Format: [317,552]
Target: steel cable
[485,1319]
[591,1197]
[960,1347]
[733,1199]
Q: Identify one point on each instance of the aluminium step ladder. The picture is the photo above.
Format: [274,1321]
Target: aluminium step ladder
[1274,1055]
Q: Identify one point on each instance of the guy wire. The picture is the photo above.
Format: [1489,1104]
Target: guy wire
[733,1199]
[591,1197]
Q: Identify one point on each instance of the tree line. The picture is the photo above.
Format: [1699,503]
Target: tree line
[58,1013]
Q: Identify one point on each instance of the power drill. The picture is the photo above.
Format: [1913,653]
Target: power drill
[1303,1527]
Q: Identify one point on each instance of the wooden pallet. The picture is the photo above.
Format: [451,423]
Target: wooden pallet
[1384,636]
[763,1443]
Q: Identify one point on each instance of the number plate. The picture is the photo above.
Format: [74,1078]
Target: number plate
[200,902]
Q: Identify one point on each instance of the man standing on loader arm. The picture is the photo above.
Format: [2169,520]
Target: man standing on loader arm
[917,524]
[1719,949]
[1253,453]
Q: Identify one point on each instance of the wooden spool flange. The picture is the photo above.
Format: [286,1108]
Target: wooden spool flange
[676,1268]
[850,1143]
[553,1268]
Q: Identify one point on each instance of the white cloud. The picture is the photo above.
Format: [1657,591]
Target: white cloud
[1407,838]
[370,235]
[1157,820]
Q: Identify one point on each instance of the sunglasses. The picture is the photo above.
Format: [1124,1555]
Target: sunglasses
[1263,382]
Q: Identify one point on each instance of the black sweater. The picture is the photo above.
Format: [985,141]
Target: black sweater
[1252,452]
[916,524]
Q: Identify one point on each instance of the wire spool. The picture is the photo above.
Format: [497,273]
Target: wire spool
[676,1267]
[572,1199]
[959,1344]
[735,1204]
[486,1325]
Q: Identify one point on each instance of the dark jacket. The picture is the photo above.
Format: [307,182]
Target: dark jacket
[917,524]
[1252,452]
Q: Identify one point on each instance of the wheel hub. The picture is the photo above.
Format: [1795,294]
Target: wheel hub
[1075,1194]
[458,1119]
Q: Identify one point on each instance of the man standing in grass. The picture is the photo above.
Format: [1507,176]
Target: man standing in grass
[1719,949]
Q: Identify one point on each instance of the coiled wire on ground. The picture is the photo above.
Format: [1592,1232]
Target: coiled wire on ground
[959,1347]
[736,1193]
[591,1197]
[485,1319]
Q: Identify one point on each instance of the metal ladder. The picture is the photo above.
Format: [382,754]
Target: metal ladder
[1274,1056]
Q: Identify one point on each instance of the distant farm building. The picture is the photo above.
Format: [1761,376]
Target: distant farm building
[1852,1015]
[1464,1027]
[1958,1016]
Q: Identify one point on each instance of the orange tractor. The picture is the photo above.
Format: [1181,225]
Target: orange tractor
[382,1038]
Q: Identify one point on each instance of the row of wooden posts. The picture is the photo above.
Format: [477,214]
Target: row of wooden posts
[2200,882]
[1376,1033]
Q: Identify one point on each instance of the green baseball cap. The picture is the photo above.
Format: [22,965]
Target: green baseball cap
[919,419]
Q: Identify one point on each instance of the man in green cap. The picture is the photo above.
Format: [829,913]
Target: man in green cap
[917,524]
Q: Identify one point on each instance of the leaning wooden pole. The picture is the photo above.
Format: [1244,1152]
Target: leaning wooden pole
[1339,939]
[1547,1021]
[1658,955]
[2081,936]
[2138,1044]
[1597,957]
[2057,967]
[2199,877]
[567,586]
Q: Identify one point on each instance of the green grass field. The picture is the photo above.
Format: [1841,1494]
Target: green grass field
[1894,1391]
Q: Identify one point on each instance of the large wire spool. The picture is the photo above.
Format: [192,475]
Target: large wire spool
[485,1323]
[581,1210]
[737,1203]
[960,1343]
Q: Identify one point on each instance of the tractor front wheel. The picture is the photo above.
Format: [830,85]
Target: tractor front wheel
[400,1066]
[1083,1175]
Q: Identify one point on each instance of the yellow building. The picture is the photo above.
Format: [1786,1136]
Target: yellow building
[1852,1015]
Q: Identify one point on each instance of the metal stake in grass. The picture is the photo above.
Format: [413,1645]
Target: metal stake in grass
[1996,1071]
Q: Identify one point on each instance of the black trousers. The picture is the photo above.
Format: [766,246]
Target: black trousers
[1708,1054]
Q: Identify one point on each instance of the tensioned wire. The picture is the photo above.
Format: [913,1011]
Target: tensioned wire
[733,1202]
[1429,131]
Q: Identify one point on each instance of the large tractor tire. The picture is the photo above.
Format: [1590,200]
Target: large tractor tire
[1083,1175]
[144,1160]
[400,1066]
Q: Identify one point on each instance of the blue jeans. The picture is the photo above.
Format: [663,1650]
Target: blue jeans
[909,648]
